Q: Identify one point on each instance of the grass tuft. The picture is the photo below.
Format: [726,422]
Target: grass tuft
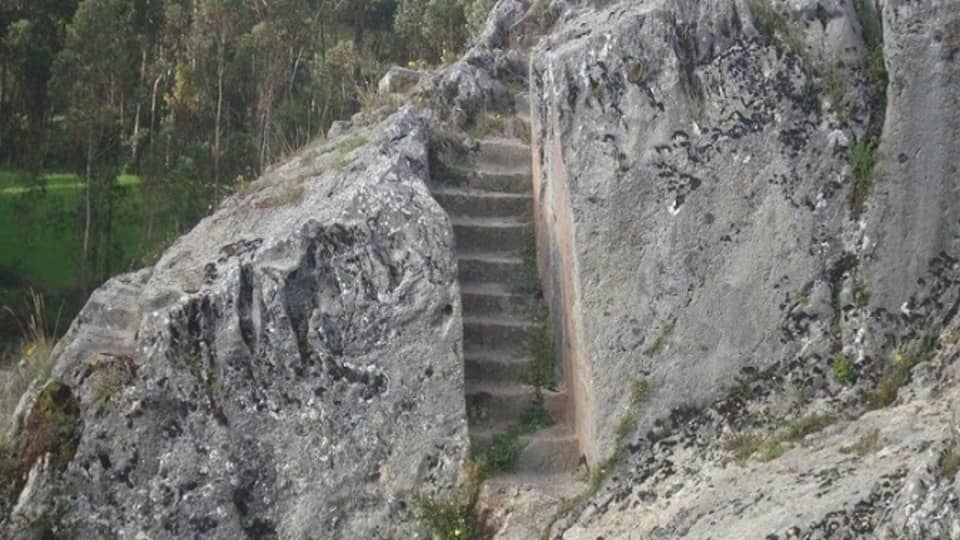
[898,374]
[843,369]
[662,341]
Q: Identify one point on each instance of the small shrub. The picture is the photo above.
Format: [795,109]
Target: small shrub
[639,390]
[342,157]
[500,454]
[834,85]
[843,369]
[950,462]
[662,341]
[868,443]
[770,450]
[453,517]
[885,393]
[743,446]
[534,418]
[806,425]
[775,27]
[289,194]
[489,124]
[863,161]
[540,348]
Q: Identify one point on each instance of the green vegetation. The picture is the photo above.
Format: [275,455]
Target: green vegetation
[843,369]
[950,462]
[540,348]
[507,446]
[861,294]
[662,341]
[489,123]
[863,161]
[31,363]
[185,102]
[776,27]
[454,517]
[803,426]
[285,196]
[898,374]
[744,446]
[863,155]
[639,394]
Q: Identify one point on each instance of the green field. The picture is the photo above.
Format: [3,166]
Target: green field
[41,231]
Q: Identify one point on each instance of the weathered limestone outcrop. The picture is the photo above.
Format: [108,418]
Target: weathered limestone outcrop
[705,226]
[291,368]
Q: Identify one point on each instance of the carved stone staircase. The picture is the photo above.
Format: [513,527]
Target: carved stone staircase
[492,215]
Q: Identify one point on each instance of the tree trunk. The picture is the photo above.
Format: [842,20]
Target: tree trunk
[153,102]
[216,131]
[88,175]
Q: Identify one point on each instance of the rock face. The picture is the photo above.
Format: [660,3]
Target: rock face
[706,227]
[695,194]
[292,368]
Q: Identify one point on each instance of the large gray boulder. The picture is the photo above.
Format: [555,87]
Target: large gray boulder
[694,194]
[291,368]
[699,229]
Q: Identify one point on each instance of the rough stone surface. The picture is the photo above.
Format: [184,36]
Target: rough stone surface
[693,191]
[291,368]
[398,79]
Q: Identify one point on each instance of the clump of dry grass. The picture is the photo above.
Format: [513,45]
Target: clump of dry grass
[32,362]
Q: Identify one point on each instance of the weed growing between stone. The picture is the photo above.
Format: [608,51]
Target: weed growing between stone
[34,361]
[767,447]
[843,369]
[487,124]
[898,374]
[455,517]
[950,462]
[639,394]
[662,341]
[863,155]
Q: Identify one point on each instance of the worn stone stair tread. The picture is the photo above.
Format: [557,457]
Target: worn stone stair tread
[498,321]
[557,433]
[487,288]
[503,257]
[508,142]
[504,366]
[519,171]
[480,193]
[492,222]
[557,485]
[490,403]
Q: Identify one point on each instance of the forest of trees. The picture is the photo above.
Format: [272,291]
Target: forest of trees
[190,97]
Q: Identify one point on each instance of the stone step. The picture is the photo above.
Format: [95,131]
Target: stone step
[521,104]
[489,268]
[516,180]
[547,451]
[496,405]
[496,333]
[495,299]
[495,365]
[468,202]
[490,234]
[501,154]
